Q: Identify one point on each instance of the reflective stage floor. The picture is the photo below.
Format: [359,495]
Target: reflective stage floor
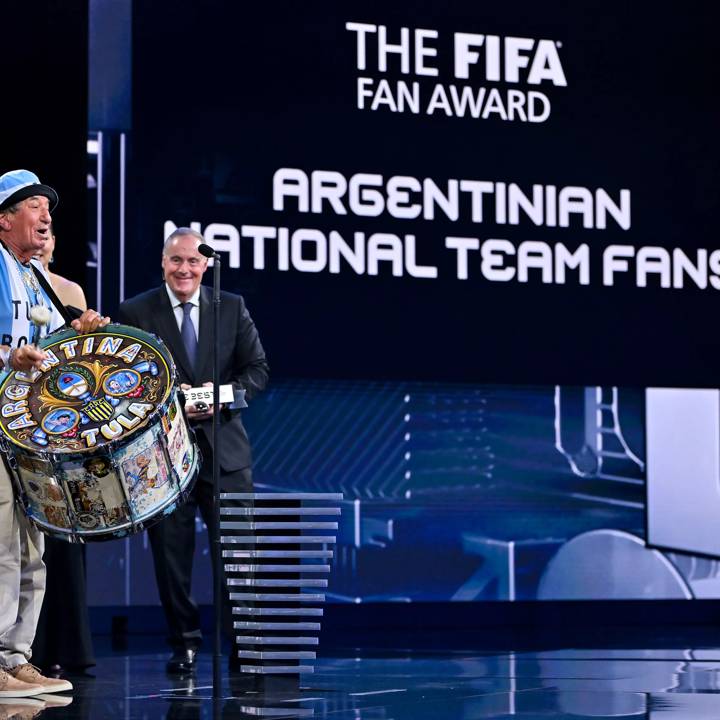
[399,685]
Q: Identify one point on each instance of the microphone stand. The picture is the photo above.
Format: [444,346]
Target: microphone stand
[217,545]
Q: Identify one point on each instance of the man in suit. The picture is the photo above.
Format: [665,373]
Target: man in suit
[180,312]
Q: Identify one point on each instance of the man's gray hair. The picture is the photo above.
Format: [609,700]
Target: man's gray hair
[181,232]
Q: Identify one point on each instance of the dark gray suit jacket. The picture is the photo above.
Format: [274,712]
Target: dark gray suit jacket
[242,358]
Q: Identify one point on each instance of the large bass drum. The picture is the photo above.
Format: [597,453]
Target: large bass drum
[96,439]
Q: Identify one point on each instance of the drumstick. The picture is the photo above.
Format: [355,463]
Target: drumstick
[40,317]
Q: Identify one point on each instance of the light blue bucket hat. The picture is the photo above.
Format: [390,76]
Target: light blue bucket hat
[18,185]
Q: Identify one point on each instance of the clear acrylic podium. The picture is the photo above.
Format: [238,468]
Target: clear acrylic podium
[277,550]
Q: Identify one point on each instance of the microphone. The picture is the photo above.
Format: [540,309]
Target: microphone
[206,250]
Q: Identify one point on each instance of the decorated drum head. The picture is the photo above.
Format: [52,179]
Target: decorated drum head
[92,390]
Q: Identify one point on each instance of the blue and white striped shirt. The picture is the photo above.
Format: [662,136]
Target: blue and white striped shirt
[16,300]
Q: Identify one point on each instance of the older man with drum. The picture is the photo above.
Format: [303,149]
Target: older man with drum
[25,206]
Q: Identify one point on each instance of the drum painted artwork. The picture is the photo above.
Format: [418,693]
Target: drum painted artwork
[97,438]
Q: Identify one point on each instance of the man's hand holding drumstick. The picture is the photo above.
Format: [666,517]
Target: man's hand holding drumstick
[28,357]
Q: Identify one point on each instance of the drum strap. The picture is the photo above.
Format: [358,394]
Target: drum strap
[68,313]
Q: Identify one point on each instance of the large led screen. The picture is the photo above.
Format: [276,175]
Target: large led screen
[471,236]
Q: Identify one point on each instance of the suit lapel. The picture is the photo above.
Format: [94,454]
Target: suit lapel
[168,330]
[205,339]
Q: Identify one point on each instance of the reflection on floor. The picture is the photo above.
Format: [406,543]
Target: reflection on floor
[398,685]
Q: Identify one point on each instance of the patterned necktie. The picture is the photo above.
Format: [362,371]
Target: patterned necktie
[187,330]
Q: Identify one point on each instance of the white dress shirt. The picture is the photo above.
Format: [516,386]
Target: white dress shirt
[177,309]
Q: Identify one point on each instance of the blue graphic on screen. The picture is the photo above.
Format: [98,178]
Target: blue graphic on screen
[459,492]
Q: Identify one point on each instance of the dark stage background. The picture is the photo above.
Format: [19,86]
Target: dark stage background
[45,119]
